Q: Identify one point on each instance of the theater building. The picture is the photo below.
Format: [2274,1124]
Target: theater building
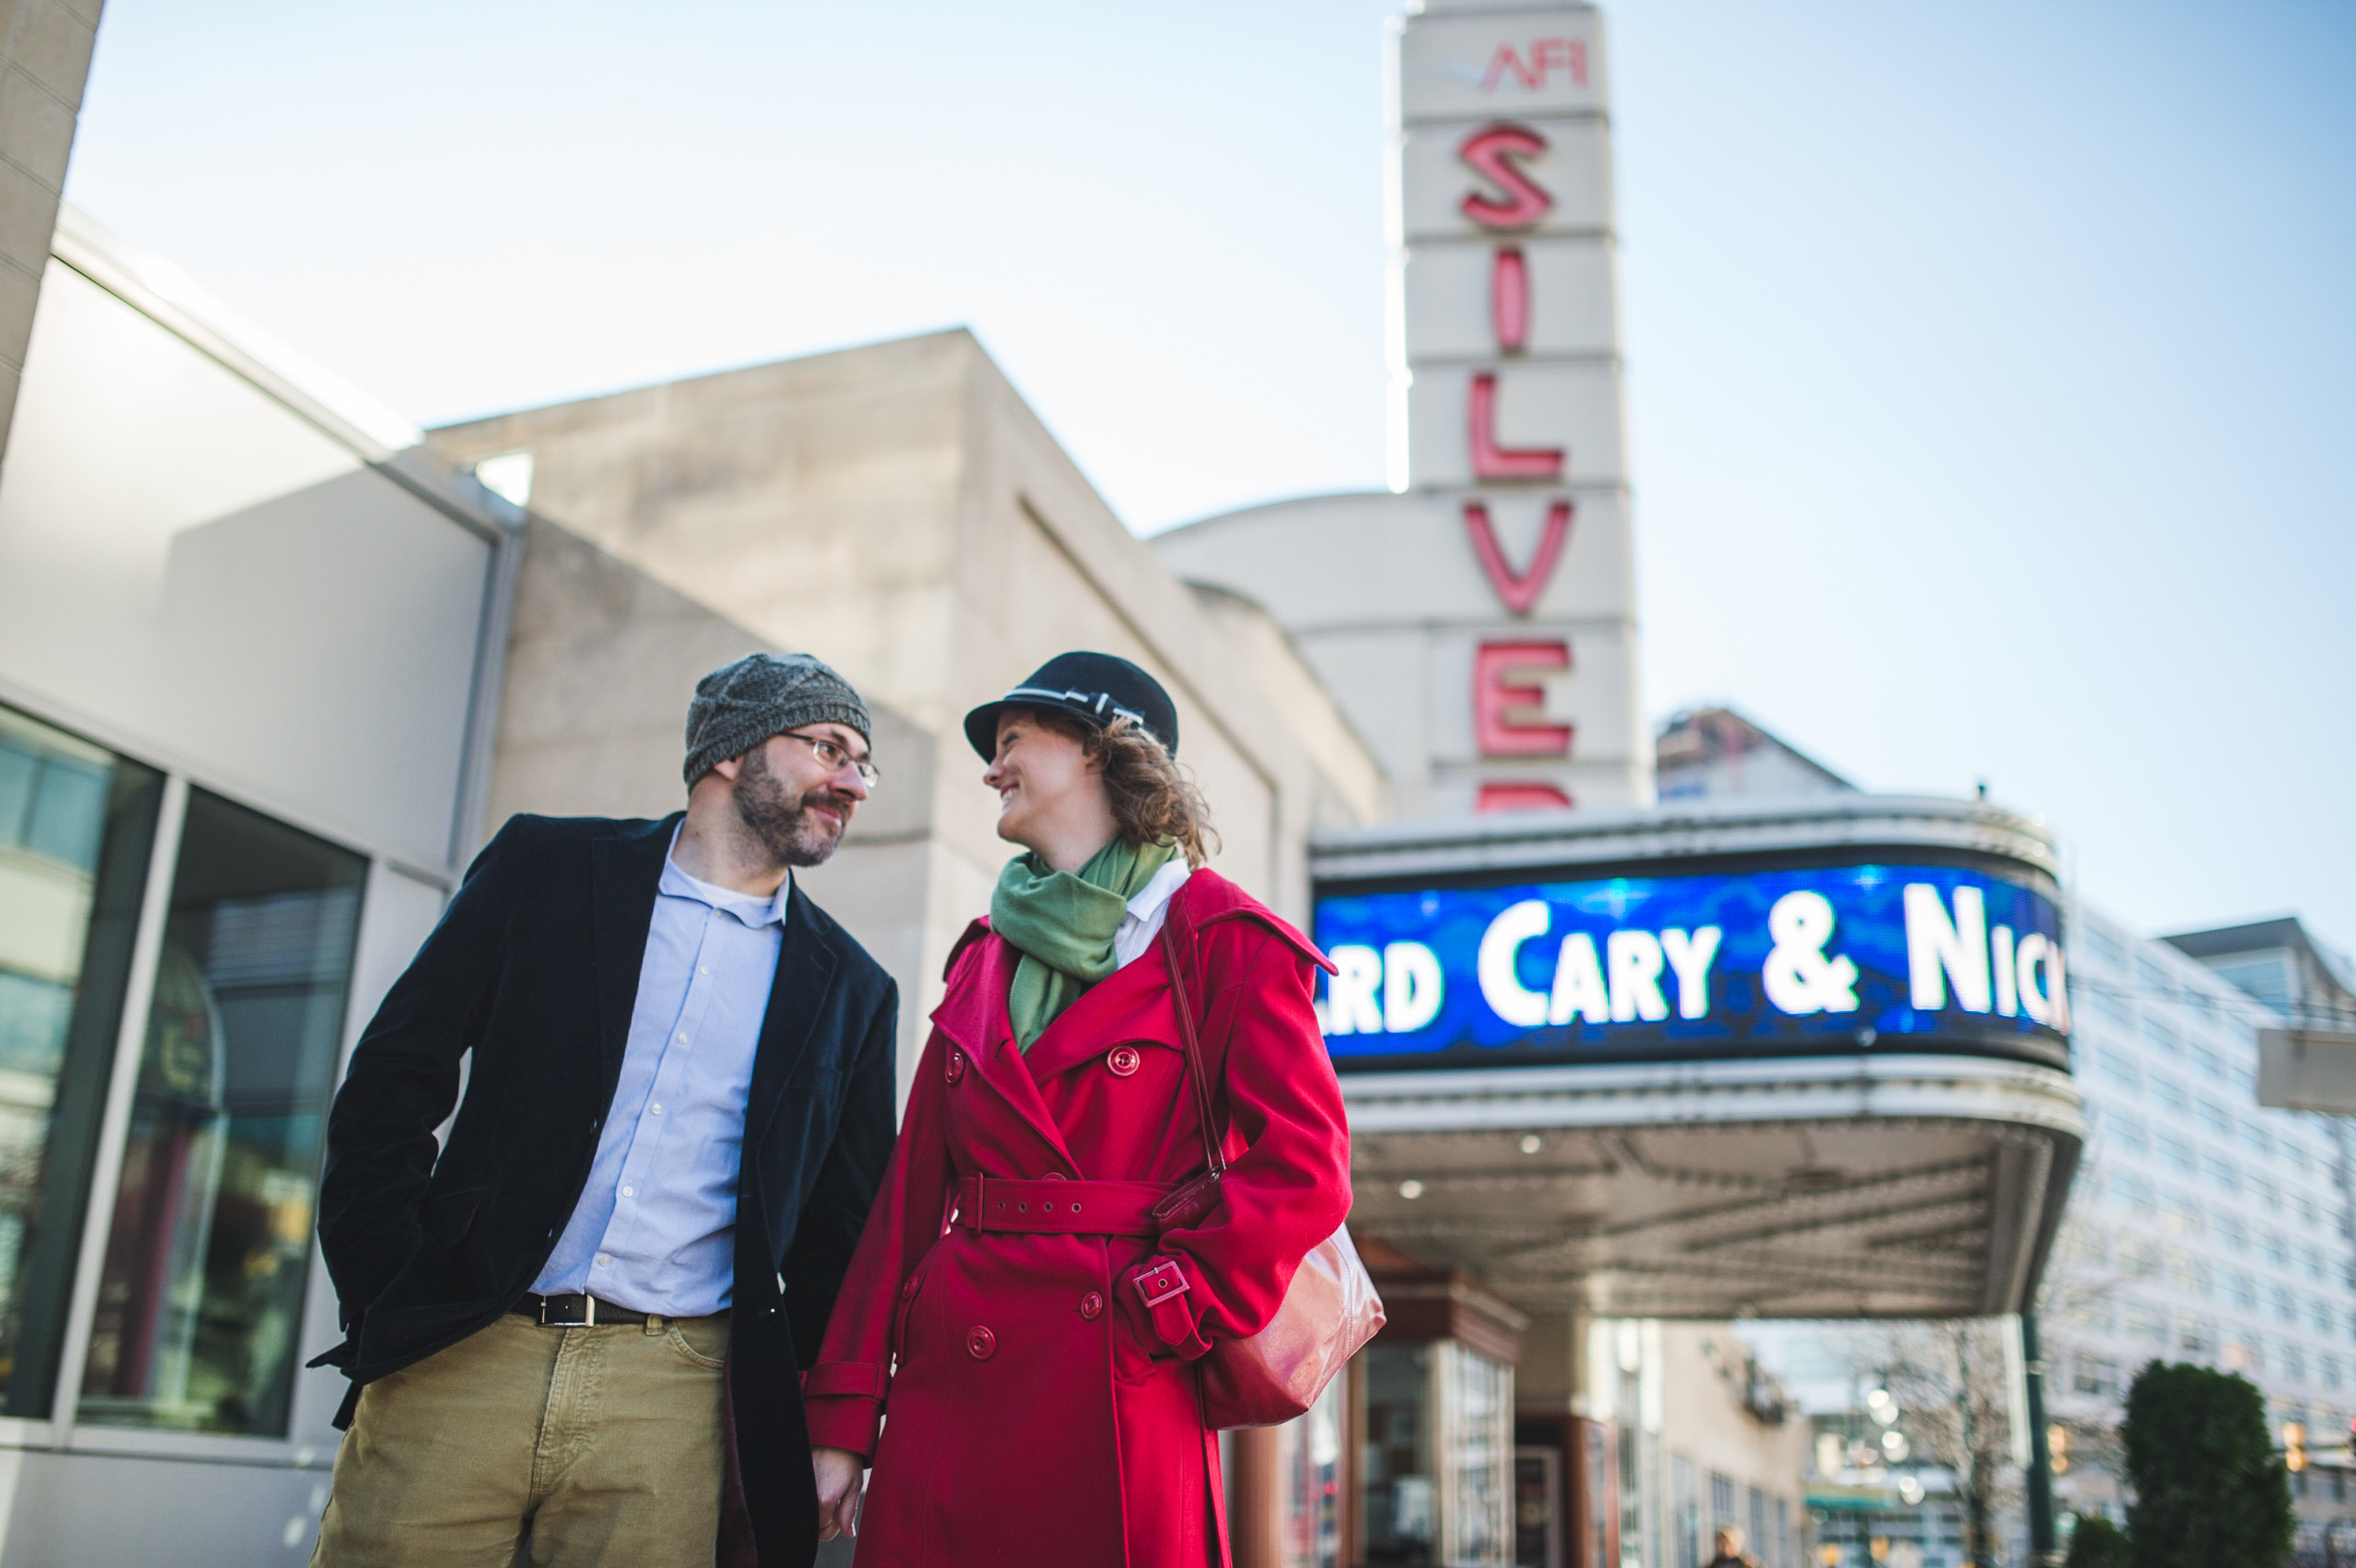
[1620,1073]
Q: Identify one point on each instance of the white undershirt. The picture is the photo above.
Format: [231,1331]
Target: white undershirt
[1143,921]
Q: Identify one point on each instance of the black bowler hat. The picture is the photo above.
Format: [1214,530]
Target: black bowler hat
[1094,688]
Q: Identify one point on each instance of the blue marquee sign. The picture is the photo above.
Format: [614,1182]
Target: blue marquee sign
[1783,962]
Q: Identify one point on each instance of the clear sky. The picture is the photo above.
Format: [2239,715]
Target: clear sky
[1992,369]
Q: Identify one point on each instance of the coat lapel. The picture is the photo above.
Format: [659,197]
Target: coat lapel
[797,994]
[625,870]
[1129,1007]
[976,1022]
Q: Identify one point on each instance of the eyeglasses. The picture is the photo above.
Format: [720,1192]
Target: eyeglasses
[832,758]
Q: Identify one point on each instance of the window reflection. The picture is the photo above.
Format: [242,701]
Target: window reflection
[1401,1523]
[76,827]
[1309,1462]
[200,1307]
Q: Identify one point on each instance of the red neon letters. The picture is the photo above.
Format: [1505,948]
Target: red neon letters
[1519,591]
[1509,299]
[1546,54]
[1509,716]
[1491,461]
[1488,151]
[1509,712]
[1521,798]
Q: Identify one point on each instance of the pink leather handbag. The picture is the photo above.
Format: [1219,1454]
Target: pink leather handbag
[1331,1309]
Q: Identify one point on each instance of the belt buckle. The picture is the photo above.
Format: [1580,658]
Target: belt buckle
[588,1318]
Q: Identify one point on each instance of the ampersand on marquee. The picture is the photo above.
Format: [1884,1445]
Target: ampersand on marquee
[1798,977]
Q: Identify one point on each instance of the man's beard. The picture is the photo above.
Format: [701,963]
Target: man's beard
[781,820]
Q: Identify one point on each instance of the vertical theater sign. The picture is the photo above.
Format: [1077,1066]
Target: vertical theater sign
[1478,621]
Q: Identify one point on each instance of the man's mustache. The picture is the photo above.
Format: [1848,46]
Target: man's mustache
[836,801]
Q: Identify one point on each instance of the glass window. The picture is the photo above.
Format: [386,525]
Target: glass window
[77,825]
[199,1305]
[1309,1460]
[1400,1487]
[2168,1092]
[1479,1457]
[1685,1497]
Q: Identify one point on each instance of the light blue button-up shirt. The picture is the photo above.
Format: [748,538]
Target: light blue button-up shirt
[655,1228]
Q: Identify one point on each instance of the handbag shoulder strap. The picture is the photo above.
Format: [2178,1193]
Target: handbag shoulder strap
[1178,955]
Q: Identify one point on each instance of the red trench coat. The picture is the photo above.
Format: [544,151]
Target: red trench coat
[1039,1416]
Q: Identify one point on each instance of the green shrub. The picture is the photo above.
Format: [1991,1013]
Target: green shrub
[2098,1544]
[2209,1490]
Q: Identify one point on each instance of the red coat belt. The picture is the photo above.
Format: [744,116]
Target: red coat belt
[1053,1207]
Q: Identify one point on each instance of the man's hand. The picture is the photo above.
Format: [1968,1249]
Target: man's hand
[838,1471]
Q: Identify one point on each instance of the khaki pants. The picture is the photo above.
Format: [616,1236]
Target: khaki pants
[603,1442]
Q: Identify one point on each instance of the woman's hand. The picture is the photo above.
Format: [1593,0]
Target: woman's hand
[838,1472]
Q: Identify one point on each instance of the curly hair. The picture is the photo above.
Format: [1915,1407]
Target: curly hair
[1154,800]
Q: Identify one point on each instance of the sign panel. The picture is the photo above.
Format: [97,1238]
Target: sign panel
[1786,962]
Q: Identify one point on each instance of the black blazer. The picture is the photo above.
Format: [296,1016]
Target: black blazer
[534,969]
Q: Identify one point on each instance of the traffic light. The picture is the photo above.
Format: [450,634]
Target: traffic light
[2294,1447]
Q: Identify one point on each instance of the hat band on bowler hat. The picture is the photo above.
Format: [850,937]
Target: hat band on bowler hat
[1099,703]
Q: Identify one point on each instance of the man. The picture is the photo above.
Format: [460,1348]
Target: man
[585,1318]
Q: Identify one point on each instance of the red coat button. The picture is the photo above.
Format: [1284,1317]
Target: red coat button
[1092,1305]
[1123,1060]
[980,1343]
[956,1070]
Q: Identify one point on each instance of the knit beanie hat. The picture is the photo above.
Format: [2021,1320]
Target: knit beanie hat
[741,705]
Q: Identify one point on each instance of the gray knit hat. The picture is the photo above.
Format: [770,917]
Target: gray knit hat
[741,705]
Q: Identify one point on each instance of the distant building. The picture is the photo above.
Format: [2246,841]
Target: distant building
[1713,753]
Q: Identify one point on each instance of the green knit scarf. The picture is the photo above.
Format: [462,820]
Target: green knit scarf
[1064,925]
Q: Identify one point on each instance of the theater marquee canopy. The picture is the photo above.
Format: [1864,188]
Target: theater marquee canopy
[1798,1060]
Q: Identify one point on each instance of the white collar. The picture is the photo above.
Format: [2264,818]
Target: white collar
[1157,893]
[753,911]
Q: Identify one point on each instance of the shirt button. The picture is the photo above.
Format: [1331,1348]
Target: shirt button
[1123,1060]
[682,1040]
[980,1343]
[629,1192]
[603,1260]
[658,1110]
[1091,1305]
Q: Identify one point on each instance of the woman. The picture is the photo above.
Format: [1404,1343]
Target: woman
[1042,1413]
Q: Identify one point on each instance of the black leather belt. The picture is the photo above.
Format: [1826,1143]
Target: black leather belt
[574,1312]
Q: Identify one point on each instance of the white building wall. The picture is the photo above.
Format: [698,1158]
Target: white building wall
[222,565]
